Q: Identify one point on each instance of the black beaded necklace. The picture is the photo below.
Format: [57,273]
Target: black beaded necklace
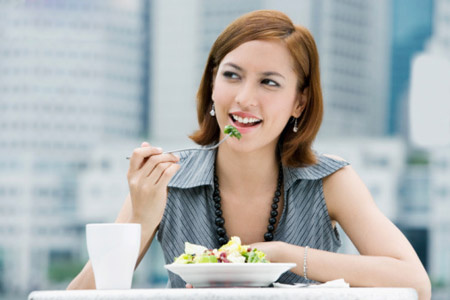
[221,232]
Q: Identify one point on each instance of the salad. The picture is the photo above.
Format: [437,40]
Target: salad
[233,130]
[232,252]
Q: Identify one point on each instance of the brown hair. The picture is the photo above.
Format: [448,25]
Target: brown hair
[295,148]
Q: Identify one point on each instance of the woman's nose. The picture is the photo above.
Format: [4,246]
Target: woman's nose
[246,95]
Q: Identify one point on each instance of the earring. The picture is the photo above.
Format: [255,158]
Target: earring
[295,128]
[213,111]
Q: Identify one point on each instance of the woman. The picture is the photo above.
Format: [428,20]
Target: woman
[269,188]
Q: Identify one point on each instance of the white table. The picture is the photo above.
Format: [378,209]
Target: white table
[231,293]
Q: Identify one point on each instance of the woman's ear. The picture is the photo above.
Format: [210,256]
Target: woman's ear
[300,103]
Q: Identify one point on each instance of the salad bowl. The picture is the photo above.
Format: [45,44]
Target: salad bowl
[230,274]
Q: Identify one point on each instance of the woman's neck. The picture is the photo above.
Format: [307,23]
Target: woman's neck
[244,173]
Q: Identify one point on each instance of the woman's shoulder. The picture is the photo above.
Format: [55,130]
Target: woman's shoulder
[325,166]
[344,190]
[343,172]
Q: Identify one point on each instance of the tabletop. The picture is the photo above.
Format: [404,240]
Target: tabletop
[231,293]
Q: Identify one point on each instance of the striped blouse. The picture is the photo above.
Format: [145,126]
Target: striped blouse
[189,213]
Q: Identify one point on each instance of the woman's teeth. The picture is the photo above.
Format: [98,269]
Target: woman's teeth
[245,120]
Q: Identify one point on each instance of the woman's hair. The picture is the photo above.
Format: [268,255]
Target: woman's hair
[295,148]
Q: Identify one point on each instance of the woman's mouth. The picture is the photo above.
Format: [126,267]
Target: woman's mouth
[240,121]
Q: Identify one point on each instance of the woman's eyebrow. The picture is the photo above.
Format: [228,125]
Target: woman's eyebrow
[233,65]
[269,73]
[273,74]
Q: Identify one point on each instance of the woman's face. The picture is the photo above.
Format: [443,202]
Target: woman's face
[255,90]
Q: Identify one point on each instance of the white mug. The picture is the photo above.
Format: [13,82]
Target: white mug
[113,250]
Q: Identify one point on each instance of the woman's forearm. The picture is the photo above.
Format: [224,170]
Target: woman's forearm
[357,270]
[85,279]
[147,234]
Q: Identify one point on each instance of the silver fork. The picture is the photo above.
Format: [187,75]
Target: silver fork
[196,148]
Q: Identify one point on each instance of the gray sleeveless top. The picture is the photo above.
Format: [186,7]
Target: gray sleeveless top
[189,214]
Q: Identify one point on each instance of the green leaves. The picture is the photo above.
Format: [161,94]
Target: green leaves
[234,132]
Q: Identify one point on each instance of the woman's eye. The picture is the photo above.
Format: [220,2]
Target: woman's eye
[269,82]
[230,75]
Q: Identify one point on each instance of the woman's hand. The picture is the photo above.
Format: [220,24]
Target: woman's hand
[273,250]
[148,175]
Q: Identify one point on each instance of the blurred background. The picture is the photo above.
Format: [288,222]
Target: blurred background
[84,82]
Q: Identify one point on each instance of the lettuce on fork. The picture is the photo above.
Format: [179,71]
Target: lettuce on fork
[232,131]
[232,252]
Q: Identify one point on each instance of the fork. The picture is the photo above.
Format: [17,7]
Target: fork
[196,148]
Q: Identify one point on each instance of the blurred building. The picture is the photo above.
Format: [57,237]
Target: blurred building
[411,28]
[414,195]
[72,75]
[440,222]
[439,45]
[438,48]
[354,41]
[414,208]
[441,23]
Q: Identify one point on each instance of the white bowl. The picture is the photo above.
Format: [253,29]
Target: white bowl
[230,274]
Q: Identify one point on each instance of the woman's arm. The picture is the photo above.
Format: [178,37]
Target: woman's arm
[387,259]
[148,176]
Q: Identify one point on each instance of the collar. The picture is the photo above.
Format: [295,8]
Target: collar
[197,169]
[325,166]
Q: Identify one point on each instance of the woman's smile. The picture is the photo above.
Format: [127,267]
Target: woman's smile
[244,122]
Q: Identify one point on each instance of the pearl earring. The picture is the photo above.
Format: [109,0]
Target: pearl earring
[213,111]
[295,128]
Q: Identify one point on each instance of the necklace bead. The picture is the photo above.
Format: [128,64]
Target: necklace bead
[220,221]
[220,231]
[268,236]
[223,240]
